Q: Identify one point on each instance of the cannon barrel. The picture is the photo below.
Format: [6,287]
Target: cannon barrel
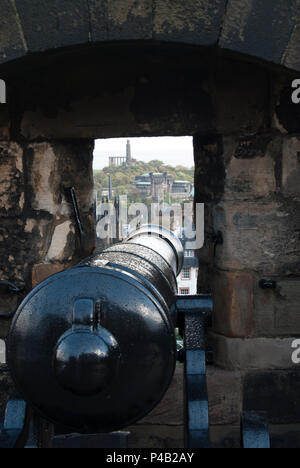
[93,348]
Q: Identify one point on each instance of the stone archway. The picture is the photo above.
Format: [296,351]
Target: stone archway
[245,130]
[234,25]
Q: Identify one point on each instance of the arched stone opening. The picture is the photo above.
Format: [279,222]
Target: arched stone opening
[246,143]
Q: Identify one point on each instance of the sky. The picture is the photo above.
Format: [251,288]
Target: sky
[173,151]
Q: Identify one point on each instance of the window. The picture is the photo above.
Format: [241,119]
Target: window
[189,253]
[184,291]
[186,273]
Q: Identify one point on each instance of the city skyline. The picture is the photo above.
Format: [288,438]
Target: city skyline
[173,151]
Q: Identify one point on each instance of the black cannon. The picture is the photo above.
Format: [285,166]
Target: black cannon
[93,349]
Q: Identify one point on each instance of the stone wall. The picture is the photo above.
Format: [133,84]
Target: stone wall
[38,233]
[246,139]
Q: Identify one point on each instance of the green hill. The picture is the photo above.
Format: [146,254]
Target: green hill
[123,176]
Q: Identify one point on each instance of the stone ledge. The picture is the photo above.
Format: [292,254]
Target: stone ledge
[254,353]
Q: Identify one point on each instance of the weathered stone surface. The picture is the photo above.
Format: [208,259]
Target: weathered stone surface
[52,169]
[251,166]
[209,168]
[12,44]
[237,25]
[239,111]
[224,395]
[276,393]
[62,242]
[291,167]
[195,22]
[254,353]
[55,167]
[246,30]
[29,223]
[156,90]
[225,437]
[11,179]
[156,437]
[224,399]
[291,58]
[48,25]
[98,20]
[277,311]
[120,20]
[261,236]
[42,271]
[233,304]
[90,118]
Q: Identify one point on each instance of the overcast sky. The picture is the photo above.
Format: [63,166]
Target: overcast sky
[173,151]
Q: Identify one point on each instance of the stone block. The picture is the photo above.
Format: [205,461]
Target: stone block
[276,393]
[254,353]
[250,168]
[48,25]
[55,167]
[210,171]
[291,58]
[156,437]
[261,235]
[11,179]
[224,399]
[225,437]
[194,22]
[120,19]
[12,44]
[233,304]
[245,29]
[277,311]
[224,395]
[42,271]
[62,243]
[239,111]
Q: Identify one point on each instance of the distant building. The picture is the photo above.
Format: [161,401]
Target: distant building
[156,185]
[117,161]
[182,189]
[187,280]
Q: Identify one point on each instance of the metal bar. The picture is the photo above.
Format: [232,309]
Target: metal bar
[74,202]
[194,315]
[14,426]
